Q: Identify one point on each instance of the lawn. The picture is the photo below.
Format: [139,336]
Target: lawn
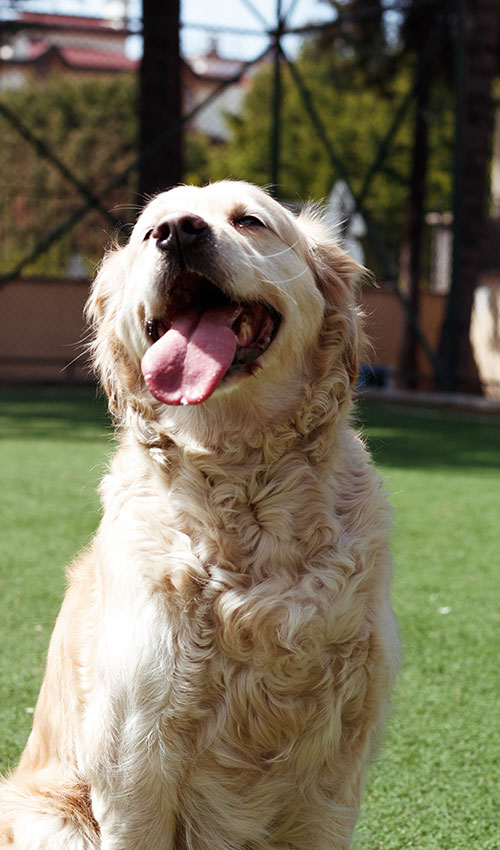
[436,783]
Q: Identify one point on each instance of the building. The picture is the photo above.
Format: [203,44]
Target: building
[202,75]
[35,46]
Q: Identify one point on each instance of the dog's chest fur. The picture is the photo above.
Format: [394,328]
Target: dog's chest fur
[257,635]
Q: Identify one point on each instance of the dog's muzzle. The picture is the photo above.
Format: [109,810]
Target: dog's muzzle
[202,336]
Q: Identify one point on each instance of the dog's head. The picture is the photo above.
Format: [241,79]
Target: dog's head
[223,299]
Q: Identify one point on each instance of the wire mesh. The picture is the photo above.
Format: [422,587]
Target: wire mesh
[280,101]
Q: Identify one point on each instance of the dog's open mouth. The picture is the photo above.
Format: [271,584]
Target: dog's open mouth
[201,338]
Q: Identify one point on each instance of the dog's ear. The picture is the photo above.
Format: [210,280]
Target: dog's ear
[337,277]
[110,358]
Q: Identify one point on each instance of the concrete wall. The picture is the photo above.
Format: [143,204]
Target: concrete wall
[385,326]
[42,330]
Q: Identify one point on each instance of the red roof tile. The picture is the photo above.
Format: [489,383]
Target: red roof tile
[70,22]
[83,58]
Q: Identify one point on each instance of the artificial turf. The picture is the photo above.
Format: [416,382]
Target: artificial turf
[436,781]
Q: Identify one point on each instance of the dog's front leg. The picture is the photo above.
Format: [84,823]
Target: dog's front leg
[133,783]
[133,776]
[133,773]
[139,819]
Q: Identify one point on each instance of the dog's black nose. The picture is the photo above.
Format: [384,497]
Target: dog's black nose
[179,229]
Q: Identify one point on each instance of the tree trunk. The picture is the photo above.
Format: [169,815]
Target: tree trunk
[160,98]
[477,65]
[412,257]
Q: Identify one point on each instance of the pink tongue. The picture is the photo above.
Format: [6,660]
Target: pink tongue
[187,364]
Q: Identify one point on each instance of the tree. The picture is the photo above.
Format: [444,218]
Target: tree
[361,32]
[92,126]
[425,39]
[356,117]
[437,37]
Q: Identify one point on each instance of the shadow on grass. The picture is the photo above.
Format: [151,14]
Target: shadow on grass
[73,413]
[404,437]
[430,438]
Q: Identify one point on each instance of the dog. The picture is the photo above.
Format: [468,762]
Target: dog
[220,671]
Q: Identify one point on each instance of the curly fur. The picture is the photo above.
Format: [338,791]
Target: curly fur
[220,670]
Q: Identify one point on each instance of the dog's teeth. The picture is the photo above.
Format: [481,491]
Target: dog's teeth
[152,329]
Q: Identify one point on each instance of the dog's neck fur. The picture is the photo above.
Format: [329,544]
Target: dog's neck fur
[250,511]
[231,439]
[259,490]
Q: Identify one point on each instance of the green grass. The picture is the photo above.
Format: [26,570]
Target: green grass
[52,451]
[436,782]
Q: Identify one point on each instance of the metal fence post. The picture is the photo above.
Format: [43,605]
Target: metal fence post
[449,340]
[477,39]
[160,96]
[276,117]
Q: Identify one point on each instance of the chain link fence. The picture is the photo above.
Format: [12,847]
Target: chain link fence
[282,104]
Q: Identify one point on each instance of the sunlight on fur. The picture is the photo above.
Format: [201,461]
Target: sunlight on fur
[221,668]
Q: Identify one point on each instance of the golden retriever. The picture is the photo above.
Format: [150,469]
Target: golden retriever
[221,666]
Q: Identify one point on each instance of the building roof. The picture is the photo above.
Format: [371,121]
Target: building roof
[70,22]
[212,67]
[49,40]
[83,58]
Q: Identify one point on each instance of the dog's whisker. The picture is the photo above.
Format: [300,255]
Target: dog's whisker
[277,283]
[253,250]
[82,341]
[72,362]
[127,208]
[281,253]
[283,292]
[287,295]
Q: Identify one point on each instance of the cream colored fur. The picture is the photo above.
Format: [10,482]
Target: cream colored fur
[221,667]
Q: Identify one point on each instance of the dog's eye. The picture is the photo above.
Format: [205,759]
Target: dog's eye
[147,235]
[248,221]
